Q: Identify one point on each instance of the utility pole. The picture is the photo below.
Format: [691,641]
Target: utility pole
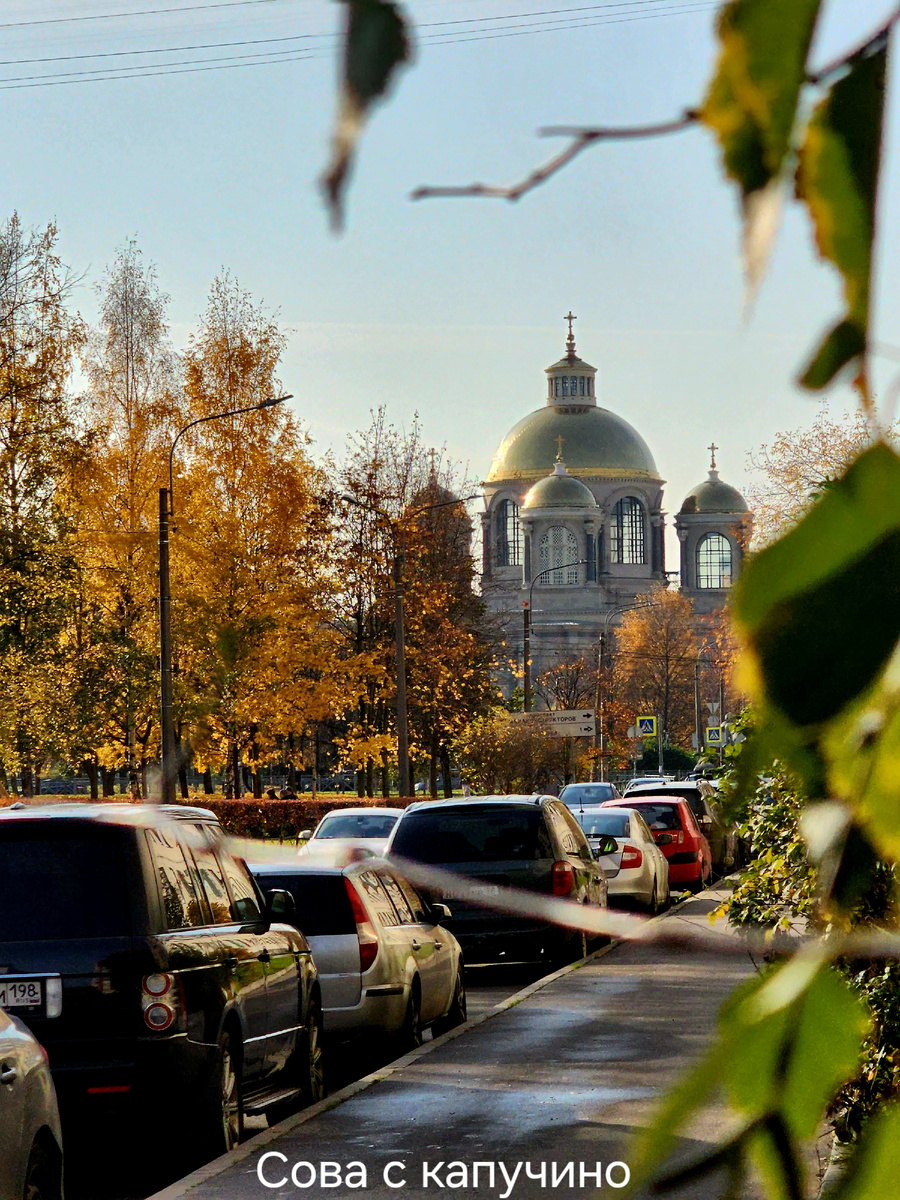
[526,654]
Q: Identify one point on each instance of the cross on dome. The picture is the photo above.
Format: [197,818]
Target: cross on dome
[570,340]
[559,443]
[713,448]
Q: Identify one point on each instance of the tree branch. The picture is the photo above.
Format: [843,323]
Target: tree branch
[870,45]
[581,139]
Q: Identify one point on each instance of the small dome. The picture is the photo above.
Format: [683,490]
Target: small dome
[714,496]
[560,490]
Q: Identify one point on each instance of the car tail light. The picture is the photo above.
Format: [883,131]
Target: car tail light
[562,879]
[631,857]
[365,930]
[162,1002]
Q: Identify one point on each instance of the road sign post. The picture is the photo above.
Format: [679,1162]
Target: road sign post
[564,722]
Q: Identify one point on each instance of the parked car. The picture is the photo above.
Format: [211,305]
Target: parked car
[639,781]
[577,796]
[637,871]
[158,976]
[721,834]
[528,842]
[365,828]
[387,966]
[676,831]
[31,1158]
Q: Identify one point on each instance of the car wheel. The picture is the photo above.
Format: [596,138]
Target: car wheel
[653,902]
[42,1176]
[457,1014]
[411,1033]
[225,1107]
[313,1088]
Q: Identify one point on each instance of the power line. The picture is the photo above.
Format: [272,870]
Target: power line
[142,12]
[277,57]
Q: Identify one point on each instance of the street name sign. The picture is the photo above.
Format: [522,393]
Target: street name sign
[646,727]
[564,722]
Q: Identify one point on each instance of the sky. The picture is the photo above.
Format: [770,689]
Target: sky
[446,308]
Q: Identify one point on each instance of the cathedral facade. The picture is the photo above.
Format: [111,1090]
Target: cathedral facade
[574,525]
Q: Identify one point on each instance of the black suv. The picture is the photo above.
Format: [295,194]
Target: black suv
[528,842]
[148,963]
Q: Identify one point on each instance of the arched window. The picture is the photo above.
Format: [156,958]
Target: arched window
[509,534]
[626,531]
[714,561]
[558,546]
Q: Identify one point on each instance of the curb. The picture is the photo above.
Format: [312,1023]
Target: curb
[210,1170]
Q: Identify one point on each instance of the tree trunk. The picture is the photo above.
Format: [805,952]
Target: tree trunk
[108,780]
[256,780]
[37,780]
[208,789]
[445,771]
[370,777]
[183,782]
[234,766]
[89,766]
[4,784]
[385,776]
[27,783]
[360,783]
[433,764]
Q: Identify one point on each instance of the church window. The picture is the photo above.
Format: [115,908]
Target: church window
[509,535]
[556,386]
[626,531]
[573,385]
[581,386]
[558,547]
[565,385]
[714,561]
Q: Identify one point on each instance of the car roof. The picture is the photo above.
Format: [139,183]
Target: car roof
[94,813]
[616,809]
[477,801]
[644,798]
[362,808]
[188,812]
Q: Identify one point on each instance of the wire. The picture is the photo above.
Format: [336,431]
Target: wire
[142,12]
[277,57]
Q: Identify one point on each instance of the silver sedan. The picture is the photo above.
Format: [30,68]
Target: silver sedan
[638,871]
[30,1138]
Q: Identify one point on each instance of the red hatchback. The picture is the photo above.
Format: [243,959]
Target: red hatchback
[676,832]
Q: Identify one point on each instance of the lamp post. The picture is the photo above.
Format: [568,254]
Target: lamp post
[168,765]
[398,537]
[599,735]
[526,626]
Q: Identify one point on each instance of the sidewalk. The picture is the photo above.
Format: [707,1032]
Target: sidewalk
[561,1073]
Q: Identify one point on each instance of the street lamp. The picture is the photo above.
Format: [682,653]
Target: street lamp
[398,537]
[168,765]
[599,735]
[526,626]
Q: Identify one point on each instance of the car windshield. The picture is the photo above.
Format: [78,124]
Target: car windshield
[576,794]
[323,907]
[357,825]
[487,835]
[61,883]
[605,825]
[661,816]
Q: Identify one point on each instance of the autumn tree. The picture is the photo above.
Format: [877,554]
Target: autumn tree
[39,450]
[799,464]
[501,754]
[133,403]
[256,655]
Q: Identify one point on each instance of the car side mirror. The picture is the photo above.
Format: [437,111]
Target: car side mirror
[608,845]
[280,905]
[304,835]
[439,912]
[664,839]
[706,820]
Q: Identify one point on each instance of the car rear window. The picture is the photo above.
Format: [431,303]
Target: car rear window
[57,884]
[323,907]
[661,816]
[587,793]
[484,835]
[357,825]
[614,825]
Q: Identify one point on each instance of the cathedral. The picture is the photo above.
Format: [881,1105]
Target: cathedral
[574,524]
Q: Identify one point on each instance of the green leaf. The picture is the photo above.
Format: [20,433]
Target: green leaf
[871,1173]
[752,106]
[837,177]
[376,42]
[798,601]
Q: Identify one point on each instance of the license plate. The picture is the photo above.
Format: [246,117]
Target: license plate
[486,889]
[21,993]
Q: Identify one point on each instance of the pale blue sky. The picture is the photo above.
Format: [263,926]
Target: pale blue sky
[451,308]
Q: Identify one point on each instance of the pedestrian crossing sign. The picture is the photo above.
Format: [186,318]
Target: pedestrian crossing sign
[646,727]
[714,735]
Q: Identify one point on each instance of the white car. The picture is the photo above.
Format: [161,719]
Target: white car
[638,871]
[31,1161]
[366,829]
[640,781]
[386,966]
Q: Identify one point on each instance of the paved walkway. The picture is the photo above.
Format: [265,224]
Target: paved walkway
[561,1074]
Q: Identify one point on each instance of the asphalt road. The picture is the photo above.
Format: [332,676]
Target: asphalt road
[100,1164]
